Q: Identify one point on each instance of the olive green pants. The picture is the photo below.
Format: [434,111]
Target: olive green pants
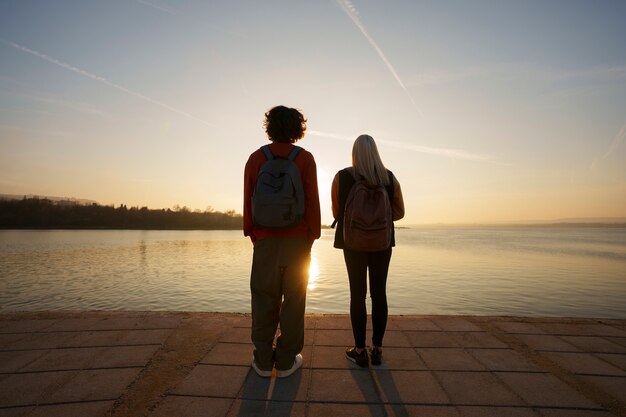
[278,283]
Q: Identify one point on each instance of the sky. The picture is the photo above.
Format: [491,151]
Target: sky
[485,111]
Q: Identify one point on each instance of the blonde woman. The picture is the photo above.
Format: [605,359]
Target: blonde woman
[367,170]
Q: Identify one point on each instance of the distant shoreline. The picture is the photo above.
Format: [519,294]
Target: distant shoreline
[511,225]
[327,227]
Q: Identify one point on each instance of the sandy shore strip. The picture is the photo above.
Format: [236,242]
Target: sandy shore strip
[198,364]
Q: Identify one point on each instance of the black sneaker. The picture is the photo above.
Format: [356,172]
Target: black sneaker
[358,358]
[377,356]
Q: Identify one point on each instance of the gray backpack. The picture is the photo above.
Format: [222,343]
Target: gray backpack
[278,197]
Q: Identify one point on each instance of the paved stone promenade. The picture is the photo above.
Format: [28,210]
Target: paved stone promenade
[198,364]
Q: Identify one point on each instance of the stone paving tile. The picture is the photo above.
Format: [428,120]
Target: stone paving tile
[619,340]
[165,322]
[567,329]
[293,388]
[378,410]
[134,323]
[479,340]
[89,409]
[617,360]
[456,325]
[213,381]
[10,339]
[544,390]
[309,321]
[402,386]
[74,324]
[573,413]
[14,361]
[614,386]
[336,385]
[343,338]
[237,335]
[241,354]
[432,339]
[518,327]
[334,323]
[27,326]
[90,358]
[454,359]
[413,324]
[594,344]
[546,342]
[64,386]
[334,357]
[412,387]
[242,335]
[406,359]
[393,338]
[244,322]
[476,388]
[346,410]
[104,384]
[118,338]
[27,389]
[497,412]
[245,408]
[422,411]
[229,354]
[175,406]
[584,363]
[503,360]
[40,341]
[330,357]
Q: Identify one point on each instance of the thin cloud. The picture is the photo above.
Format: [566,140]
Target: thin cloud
[16,128]
[77,106]
[102,80]
[353,14]
[193,18]
[525,72]
[444,152]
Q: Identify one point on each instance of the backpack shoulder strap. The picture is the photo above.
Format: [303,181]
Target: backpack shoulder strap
[390,187]
[294,152]
[268,152]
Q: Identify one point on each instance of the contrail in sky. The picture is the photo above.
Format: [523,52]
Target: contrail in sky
[102,80]
[617,141]
[353,14]
[445,152]
[161,8]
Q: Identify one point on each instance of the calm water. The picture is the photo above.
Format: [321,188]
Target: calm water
[531,271]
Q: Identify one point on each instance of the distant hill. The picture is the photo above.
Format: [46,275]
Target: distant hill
[564,222]
[591,220]
[80,201]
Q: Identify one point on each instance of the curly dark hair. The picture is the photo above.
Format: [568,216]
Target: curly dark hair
[284,124]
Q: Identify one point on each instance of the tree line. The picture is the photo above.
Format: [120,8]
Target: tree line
[42,213]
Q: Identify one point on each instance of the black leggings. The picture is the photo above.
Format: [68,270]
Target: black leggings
[358,263]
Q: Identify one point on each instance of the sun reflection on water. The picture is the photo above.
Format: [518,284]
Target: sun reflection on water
[314,272]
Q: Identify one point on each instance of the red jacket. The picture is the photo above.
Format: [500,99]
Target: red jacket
[310,226]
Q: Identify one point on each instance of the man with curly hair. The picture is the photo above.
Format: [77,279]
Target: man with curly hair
[281,258]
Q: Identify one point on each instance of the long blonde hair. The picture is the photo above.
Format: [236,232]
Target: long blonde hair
[366,161]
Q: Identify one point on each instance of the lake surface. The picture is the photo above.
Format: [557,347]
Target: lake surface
[526,271]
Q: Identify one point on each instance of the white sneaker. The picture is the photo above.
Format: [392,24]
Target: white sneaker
[297,363]
[259,371]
